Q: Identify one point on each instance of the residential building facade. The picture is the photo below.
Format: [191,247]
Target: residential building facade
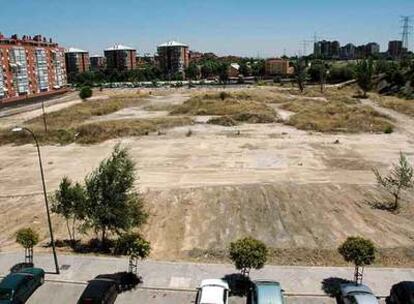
[30,67]
[173,58]
[395,48]
[97,62]
[120,57]
[326,49]
[277,66]
[77,61]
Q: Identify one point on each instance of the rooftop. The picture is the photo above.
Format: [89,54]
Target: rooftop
[75,50]
[120,47]
[172,43]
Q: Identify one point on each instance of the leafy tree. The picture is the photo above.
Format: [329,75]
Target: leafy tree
[69,201]
[85,92]
[223,72]
[192,72]
[248,253]
[112,205]
[363,73]
[134,245]
[300,73]
[27,238]
[359,251]
[400,177]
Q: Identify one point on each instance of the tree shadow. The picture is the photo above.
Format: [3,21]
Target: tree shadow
[20,266]
[125,281]
[384,206]
[239,284]
[332,286]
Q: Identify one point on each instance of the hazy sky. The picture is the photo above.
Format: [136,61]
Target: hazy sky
[239,27]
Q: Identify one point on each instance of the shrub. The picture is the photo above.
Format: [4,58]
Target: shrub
[388,130]
[27,237]
[226,121]
[85,92]
[248,253]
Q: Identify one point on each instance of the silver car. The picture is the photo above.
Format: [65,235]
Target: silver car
[357,294]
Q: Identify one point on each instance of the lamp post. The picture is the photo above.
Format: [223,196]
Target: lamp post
[52,240]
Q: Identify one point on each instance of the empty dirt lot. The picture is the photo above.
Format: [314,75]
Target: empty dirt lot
[290,188]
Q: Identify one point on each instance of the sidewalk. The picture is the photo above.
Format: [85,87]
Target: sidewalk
[180,275]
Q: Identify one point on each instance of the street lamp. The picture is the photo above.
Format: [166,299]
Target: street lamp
[52,240]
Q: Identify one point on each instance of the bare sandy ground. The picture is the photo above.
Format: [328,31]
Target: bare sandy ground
[287,187]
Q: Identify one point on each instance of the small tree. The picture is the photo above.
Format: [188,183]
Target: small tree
[364,71]
[359,251]
[112,205]
[69,202]
[300,73]
[248,253]
[135,246]
[85,92]
[400,177]
[27,238]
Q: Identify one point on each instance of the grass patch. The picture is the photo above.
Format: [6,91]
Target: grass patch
[336,116]
[68,125]
[74,115]
[95,132]
[400,105]
[100,131]
[226,121]
[240,106]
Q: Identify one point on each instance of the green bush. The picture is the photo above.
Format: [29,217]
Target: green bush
[388,130]
[85,92]
[248,253]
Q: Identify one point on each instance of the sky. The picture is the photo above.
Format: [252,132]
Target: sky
[262,28]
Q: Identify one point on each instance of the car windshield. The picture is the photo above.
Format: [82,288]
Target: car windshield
[6,294]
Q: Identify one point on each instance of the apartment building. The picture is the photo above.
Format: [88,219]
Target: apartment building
[97,62]
[120,57]
[173,58]
[77,61]
[30,67]
[395,48]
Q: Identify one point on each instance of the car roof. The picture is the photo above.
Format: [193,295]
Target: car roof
[268,292]
[404,289]
[366,299]
[32,270]
[352,288]
[212,294]
[95,288]
[12,280]
[216,282]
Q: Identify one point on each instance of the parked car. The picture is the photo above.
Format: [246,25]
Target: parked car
[402,293]
[99,291]
[357,294]
[17,287]
[266,292]
[213,291]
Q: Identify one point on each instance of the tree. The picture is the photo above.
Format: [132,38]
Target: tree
[248,253]
[85,92]
[364,71]
[400,177]
[69,201]
[359,251]
[192,72]
[27,238]
[112,205]
[134,245]
[300,73]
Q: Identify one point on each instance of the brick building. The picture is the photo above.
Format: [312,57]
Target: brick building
[121,58]
[395,48]
[277,66]
[77,61]
[97,62]
[30,67]
[173,58]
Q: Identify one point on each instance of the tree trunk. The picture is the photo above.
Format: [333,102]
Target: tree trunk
[69,232]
